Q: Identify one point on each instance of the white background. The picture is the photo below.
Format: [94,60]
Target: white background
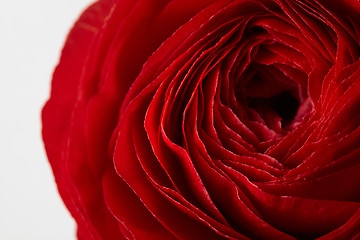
[32,33]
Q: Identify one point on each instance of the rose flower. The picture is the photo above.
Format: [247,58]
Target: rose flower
[209,119]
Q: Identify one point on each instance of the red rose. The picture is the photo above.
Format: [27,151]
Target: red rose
[209,119]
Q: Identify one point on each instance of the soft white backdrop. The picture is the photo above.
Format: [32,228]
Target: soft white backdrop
[31,37]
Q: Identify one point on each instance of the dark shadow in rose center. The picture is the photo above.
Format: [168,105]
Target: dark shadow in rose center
[283,104]
[286,106]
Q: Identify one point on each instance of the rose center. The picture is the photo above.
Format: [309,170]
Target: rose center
[284,105]
[270,96]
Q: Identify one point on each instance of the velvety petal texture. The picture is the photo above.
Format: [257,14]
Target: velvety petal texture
[209,119]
